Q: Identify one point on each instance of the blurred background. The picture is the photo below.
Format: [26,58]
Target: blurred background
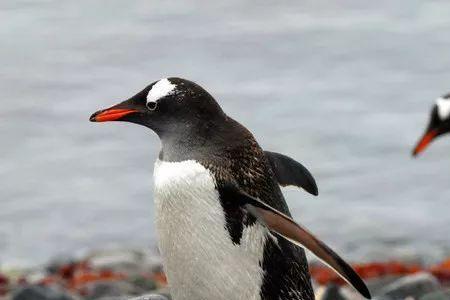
[345,88]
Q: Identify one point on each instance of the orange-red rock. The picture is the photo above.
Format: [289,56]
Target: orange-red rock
[160,278]
[324,275]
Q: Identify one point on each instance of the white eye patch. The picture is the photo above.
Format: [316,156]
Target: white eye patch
[443,108]
[160,89]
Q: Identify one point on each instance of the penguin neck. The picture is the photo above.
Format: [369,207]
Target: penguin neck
[180,149]
[207,141]
[190,142]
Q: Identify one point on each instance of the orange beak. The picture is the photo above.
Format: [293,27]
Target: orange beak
[110,115]
[425,141]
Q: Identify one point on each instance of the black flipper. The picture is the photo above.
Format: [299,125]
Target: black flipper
[295,233]
[291,172]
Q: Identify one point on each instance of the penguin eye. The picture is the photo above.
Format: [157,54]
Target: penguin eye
[152,105]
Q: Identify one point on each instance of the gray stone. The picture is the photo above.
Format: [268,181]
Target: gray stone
[441,295]
[376,285]
[104,289]
[37,292]
[415,286]
[143,283]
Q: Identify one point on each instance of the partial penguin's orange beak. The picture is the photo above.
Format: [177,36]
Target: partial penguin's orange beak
[111,114]
[427,138]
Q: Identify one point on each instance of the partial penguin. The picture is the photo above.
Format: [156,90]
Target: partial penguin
[438,124]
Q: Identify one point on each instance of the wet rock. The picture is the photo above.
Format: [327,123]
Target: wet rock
[441,295]
[415,286]
[37,292]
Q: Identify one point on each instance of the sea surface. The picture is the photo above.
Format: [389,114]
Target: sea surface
[345,87]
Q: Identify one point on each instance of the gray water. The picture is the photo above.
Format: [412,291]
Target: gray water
[344,88]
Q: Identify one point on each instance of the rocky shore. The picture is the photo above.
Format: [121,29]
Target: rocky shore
[134,274]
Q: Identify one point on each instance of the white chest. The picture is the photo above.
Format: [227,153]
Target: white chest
[200,259]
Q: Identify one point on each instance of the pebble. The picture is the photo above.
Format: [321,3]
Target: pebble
[143,283]
[125,274]
[37,292]
[376,285]
[415,286]
[101,289]
[440,295]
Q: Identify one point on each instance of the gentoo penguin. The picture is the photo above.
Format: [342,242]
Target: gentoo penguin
[225,231]
[439,123]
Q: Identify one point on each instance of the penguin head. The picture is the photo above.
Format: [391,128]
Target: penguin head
[171,107]
[438,125]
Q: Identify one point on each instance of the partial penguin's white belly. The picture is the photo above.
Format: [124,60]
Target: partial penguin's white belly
[201,261]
